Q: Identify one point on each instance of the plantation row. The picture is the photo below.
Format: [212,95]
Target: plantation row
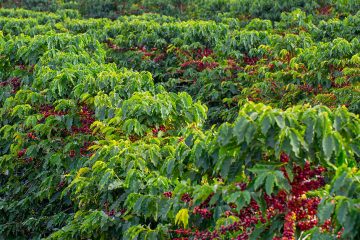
[106,127]
[187,9]
[222,65]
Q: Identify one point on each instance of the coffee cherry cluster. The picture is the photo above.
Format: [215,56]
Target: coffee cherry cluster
[60,185]
[112,212]
[200,53]
[325,10]
[197,61]
[186,197]
[339,233]
[134,138]
[183,232]
[241,185]
[21,153]
[72,153]
[307,224]
[306,88]
[14,82]
[307,179]
[23,67]
[159,58]
[326,226]
[145,52]
[284,158]
[232,65]
[233,68]
[250,60]
[340,85]
[189,234]
[48,110]
[311,89]
[299,211]
[271,66]
[28,160]
[155,131]
[205,203]
[84,150]
[113,46]
[168,194]
[205,213]
[86,119]
[200,65]
[289,226]
[31,136]
[249,216]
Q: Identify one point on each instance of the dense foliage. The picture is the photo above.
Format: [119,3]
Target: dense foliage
[160,127]
[187,9]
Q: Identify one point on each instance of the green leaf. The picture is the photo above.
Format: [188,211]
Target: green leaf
[182,217]
[295,142]
[328,145]
[280,121]
[309,131]
[225,166]
[259,181]
[258,230]
[289,172]
[241,199]
[342,211]
[224,136]
[269,184]
[265,125]
[339,183]
[250,132]
[325,211]
[240,129]
[69,122]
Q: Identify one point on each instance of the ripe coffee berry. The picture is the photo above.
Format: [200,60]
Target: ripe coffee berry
[167,194]
[31,135]
[21,152]
[284,158]
[186,197]
[72,153]
[162,128]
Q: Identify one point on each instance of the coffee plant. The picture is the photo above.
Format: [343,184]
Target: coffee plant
[179,120]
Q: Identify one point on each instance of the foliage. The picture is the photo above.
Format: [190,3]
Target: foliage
[153,127]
